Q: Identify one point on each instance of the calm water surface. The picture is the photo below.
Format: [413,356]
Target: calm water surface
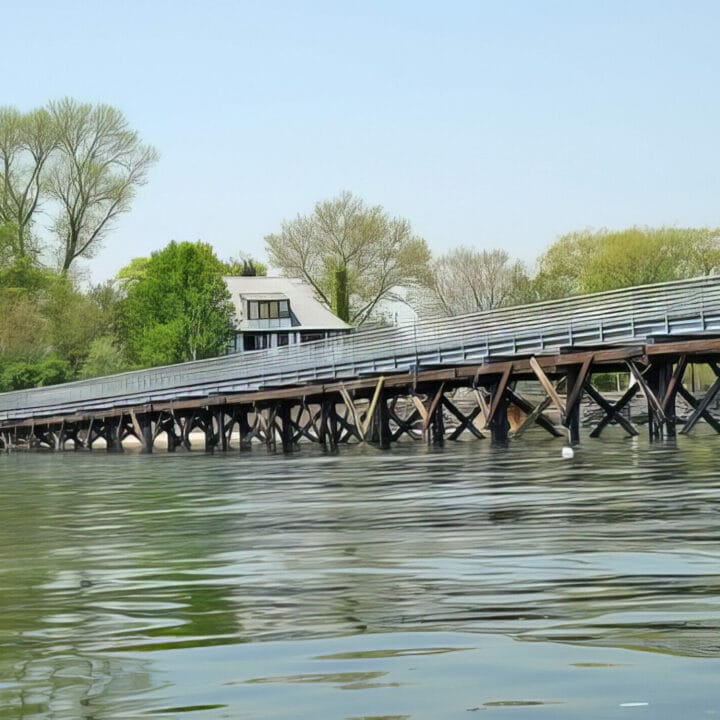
[469,582]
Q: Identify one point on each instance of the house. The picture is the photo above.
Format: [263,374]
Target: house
[277,311]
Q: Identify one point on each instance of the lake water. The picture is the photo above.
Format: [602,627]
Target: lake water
[467,582]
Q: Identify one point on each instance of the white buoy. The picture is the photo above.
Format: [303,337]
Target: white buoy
[567,453]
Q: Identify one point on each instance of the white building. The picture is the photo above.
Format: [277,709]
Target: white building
[277,311]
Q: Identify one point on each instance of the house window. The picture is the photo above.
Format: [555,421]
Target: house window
[268,309]
[283,339]
[311,336]
[256,342]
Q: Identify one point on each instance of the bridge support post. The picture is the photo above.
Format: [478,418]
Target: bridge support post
[112,434]
[661,419]
[328,435]
[146,432]
[437,424]
[60,438]
[575,386]
[380,434]
[223,430]
[661,387]
[286,428]
[244,429]
[166,424]
[207,424]
[497,418]
[267,422]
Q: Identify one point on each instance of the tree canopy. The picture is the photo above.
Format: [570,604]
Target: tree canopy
[179,308]
[465,279]
[47,325]
[80,163]
[351,254]
[592,261]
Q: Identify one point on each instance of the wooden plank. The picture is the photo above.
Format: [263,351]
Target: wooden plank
[499,392]
[684,347]
[420,407]
[373,404]
[547,386]
[677,376]
[433,406]
[482,404]
[577,390]
[650,396]
[350,405]
[136,426]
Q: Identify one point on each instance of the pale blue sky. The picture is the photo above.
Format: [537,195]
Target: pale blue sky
[493,124]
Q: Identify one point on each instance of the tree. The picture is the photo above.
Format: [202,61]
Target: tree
[81,162]
[179,309]
[75,319]
[592,261]
[358,252]
[23,326]
[244,266]
[27,141]
[104,358]
[465,280]
[95,173]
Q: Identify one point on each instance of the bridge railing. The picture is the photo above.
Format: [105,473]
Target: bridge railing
[686,306]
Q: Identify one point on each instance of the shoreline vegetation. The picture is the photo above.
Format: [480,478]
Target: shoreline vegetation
[174,306]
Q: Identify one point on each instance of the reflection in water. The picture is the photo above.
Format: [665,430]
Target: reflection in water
[114,564]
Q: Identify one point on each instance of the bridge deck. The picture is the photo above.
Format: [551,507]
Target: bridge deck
[621,317]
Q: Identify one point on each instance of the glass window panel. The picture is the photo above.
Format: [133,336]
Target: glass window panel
[264,311]
[274,309]
[252,309]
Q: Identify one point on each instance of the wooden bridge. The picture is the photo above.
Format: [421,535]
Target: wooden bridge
[404,382]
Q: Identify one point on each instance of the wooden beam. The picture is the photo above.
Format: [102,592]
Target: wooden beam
[612,412]
[433,406]
[373,404]
[654,405]
[677,376]
[547,386]
[536,416]
[700,408]
[577,390]
[350,405]
[465,422]
[499,393]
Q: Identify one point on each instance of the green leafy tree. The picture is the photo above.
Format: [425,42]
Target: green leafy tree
[74,320]
[345,246]
[179,310]
[21,374]
[593,261]
[27,141]
[104,357]
[135,270]
[23,327]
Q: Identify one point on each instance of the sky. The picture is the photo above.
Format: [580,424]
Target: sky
[486,124]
